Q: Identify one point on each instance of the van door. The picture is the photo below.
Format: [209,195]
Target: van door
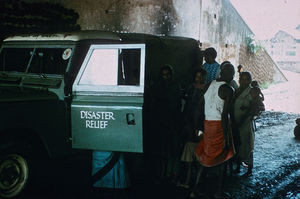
[106,110]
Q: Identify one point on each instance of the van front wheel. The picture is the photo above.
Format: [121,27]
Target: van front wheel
[14,173]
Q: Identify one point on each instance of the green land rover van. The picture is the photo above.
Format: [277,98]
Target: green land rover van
[66,92]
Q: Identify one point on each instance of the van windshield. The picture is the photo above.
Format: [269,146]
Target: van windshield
[38,63]
[14,59]
[35,60]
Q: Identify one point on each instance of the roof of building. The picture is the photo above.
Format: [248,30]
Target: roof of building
[294,33]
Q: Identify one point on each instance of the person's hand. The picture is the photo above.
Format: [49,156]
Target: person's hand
[196,132]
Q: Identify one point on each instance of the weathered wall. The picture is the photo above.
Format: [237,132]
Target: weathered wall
[261,65]
[224,29]
[214,22]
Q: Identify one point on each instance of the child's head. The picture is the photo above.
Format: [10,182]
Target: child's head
[166,72]
[240,68]
[210,55]
[255,92]
[254,84]
[224,64]
[199,75]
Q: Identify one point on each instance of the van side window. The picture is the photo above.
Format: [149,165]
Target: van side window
[129,71]
[102,68]
[112,67]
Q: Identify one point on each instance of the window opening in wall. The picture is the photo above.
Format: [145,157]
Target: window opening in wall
[291,53]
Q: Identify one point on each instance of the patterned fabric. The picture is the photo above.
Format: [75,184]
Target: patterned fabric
[213,71]
[117,177]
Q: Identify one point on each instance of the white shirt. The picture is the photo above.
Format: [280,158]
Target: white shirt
[213,106]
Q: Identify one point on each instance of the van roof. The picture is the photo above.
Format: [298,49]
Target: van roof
[70,36]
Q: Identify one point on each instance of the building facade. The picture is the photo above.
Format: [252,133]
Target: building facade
[284,48]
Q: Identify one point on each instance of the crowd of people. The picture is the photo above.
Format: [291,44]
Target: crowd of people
[214,129]
[209,125]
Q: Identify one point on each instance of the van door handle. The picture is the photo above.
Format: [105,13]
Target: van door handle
[130,119]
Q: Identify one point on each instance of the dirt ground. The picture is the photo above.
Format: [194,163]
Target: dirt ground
[277,152]
[276,160]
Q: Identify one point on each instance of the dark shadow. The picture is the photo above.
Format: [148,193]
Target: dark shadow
[19,17]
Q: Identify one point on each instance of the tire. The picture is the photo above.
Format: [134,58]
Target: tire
[14,174]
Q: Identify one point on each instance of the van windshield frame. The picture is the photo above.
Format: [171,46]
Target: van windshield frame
[34,64]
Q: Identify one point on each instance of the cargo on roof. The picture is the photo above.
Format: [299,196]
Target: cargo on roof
[72,36]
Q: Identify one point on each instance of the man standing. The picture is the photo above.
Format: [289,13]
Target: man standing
[216,146]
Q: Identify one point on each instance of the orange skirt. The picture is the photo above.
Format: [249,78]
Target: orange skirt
[210,150]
